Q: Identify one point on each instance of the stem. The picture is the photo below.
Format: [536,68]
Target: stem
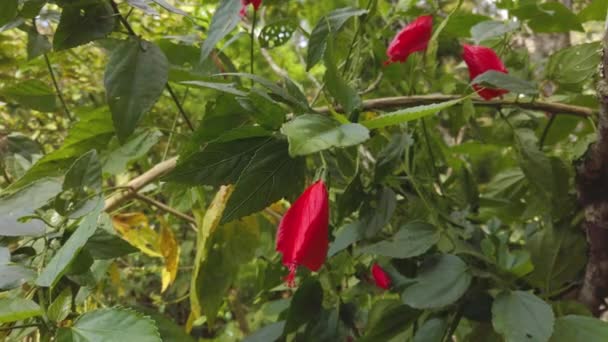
[122,19]
[352,43]
[431,155]
[165,207]
[546,131]
[255,18]
[180,108]
[57,89]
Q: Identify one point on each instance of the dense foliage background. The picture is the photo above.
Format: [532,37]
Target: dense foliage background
[149,149]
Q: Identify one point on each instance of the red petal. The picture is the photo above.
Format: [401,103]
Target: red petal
[414,37]
[302,236]
[381,278]
[480,59]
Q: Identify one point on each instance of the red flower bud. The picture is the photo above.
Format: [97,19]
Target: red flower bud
[414,37]
[381,278]
[256,5]
[480,59]
[302,234]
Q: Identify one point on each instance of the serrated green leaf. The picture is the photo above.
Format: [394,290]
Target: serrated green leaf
[548,17]
[442,281]
[114,324]
[305,305]
[388,318]
[310,133]
[62,305]
[225,19]
[332,22]
[491,29]
[117,160]
[135,77]
[411,240]
[521,316]
[33,94]
[573,65]
[60,262]
[408,114]
[18,309]
[579,328]
[501,80]
[82,24]
[339,89]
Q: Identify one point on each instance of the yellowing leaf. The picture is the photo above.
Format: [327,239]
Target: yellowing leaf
[206,226]
[170,251]
[115,279]
[136,230]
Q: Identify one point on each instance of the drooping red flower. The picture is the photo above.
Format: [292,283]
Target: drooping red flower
[256,5]
[302,234]
[414,37]
[381,278]
[480,59]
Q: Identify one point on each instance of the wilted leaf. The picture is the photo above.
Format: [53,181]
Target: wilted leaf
[170,251]
[135,229]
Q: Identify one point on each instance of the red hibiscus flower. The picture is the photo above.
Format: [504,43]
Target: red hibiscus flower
[256,5]
[414,37]
[381,278]
[480,59]
[302,234]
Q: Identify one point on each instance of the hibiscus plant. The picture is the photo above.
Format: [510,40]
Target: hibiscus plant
[271,170]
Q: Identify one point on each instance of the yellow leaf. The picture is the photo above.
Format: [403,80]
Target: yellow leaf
[115,279]
[170,251]
[136,230]
[206,226]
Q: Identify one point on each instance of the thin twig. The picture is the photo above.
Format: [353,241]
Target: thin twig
[180,108]
[165,207]
[543,137]
[57,89]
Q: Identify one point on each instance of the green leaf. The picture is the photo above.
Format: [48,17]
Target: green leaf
[491,29]
[442,280]
[332,22]
[574,65]
[135,77]
[168,329]
[226,17]
[408,114]
[103,245]
[268,113]
[61,307]
[229,246]
[521,316]
[117,160]
[143,5]
[116,324]
[377,213]
[14,276]
[411,240]
[558,253]
[66,254]
[501,80]
[83,24]
[164,4]
[596,10]
[218,163]
[277,33]
[386,319]
[33,94]
[339,89]
[8,11]
[431,331]
[310,133]
[23,203]
[579,328]
[346,236]
[270,176]
[81,187]
[18,309]
[534,163]
[269,333]
[37,44]
[229,88]
[92,131]
[305,305]
[548,17]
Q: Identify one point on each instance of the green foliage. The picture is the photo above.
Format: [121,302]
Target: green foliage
[129,215]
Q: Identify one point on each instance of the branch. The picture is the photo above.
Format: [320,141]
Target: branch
[164,207]
[386,103]
[391,103]
[591,184]
[139,182]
